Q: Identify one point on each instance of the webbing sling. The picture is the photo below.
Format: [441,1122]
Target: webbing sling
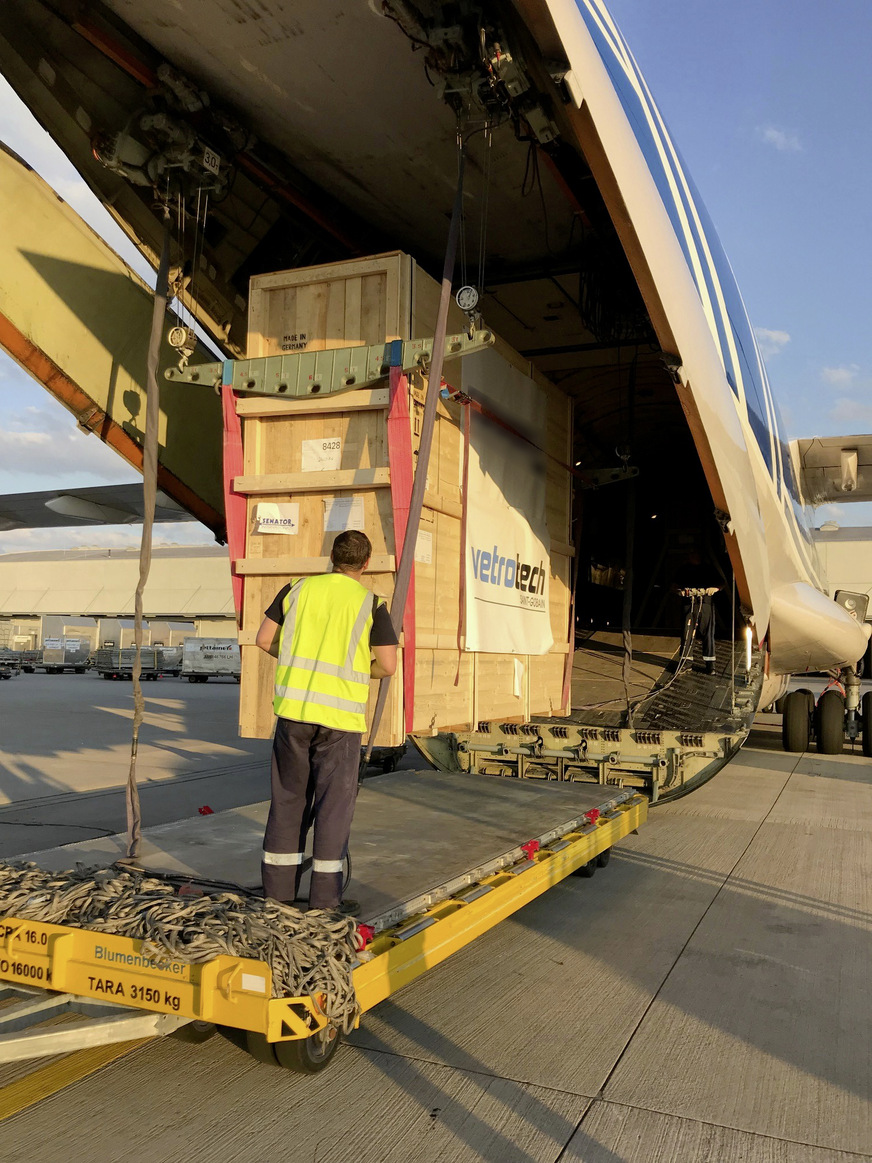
[149,496]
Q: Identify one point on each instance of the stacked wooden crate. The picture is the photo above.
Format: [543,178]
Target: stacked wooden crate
[364,302]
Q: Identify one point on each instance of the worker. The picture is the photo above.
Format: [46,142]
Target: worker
[323,630]
[697,584]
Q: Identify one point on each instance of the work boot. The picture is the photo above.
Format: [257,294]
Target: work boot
[710,668]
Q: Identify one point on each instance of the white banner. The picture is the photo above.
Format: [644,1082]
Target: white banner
[507,543]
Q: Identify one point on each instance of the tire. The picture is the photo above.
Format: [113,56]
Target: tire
[302,1056]
[809,698]
[778,705]
[587,870]
[603,858]
[866,723]
[195,1033]
[308,1055]
[830,723]
[795,722]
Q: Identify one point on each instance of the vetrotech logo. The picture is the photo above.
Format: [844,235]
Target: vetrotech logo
[509,572]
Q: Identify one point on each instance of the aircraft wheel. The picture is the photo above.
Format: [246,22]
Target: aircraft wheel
[795,722]
[587,870]
[830,723]
[809,698]
[866,723]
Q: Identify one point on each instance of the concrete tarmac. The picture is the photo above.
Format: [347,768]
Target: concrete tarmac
[704,999]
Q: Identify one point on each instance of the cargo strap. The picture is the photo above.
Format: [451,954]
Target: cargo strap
[149,495]
[428,424]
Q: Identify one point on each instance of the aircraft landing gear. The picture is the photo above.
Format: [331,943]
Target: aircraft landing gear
[837,717]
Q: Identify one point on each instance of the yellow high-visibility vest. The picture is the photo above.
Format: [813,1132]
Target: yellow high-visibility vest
[324,658]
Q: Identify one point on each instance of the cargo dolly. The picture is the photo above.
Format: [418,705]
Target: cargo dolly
[122,995]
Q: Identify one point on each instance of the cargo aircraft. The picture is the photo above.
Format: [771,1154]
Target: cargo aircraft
[286,136]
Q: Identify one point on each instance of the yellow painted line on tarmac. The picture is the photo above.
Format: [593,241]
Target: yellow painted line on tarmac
[48,1080]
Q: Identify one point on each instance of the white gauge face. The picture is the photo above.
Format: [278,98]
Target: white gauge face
[467,298]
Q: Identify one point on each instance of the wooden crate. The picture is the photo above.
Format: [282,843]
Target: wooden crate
[365,302]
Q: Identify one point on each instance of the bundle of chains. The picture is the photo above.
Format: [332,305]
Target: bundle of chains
[308,953]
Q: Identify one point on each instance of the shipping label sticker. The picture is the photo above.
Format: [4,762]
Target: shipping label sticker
[272,517]
[343,513]
[320,455]
[424,547]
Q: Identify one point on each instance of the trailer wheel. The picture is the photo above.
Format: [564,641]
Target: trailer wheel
[603,858]
[587,870]
[830,723]
[866,723]
[309,1055]
[195,1032]
[795,722]
[302,1055]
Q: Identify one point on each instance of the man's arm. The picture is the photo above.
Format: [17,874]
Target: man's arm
[385,662]
[268,637]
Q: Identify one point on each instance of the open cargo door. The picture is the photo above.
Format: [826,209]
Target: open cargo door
[77,318]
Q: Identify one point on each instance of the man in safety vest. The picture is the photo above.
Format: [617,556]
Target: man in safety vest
[322,630]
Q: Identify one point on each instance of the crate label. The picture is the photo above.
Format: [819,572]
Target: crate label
[273,517]
[322,454]
[52,643]
[343,513]
[424,547]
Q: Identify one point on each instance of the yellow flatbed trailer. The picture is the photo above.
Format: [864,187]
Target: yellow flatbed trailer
[124,995]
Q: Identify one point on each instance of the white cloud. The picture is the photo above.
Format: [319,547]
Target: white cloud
[783,140]
[842,376]
[102,537]
[771,342]
[45,443]
[852,412]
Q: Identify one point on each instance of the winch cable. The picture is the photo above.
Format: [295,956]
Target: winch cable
[428,424]
[149,496]
[629,544]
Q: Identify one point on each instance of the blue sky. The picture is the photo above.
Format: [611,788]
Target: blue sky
[769,103]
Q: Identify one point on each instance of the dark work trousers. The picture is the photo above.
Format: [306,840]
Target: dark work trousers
[314,780]
[705,627]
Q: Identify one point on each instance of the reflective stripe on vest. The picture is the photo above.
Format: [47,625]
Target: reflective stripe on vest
[323,665]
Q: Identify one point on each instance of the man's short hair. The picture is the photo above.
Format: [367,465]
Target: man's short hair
[351,549]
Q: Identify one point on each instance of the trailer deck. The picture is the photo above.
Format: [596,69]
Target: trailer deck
[440,858]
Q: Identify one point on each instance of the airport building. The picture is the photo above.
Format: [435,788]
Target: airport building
[88,594]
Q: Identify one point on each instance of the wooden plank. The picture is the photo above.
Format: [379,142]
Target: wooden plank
[303,566]
[365,398]
[314,482]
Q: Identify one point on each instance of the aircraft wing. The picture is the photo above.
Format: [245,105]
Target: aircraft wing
[103,505]
[835,468]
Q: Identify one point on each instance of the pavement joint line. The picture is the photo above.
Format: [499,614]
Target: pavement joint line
[469,1070]
[694,930]
[724,1127]
[46,1081]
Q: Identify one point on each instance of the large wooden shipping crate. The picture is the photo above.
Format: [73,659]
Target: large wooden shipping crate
[321,453]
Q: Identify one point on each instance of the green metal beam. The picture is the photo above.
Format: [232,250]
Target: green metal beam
[344,369]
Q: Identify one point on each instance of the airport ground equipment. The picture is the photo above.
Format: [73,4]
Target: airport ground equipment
[114,662]
[122,994]
[205,658]
[60,656]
